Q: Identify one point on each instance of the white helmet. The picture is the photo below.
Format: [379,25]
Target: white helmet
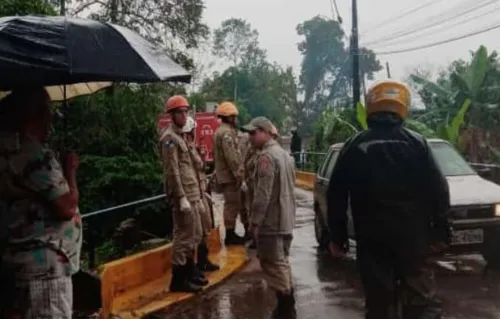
[189,126]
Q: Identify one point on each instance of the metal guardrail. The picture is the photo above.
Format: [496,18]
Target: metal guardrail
[90,234]
[93,221]
[308,161]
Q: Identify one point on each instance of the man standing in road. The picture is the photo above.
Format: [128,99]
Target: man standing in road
[229,169]
[41,229]
[182,188]
[399,201]
[273,213]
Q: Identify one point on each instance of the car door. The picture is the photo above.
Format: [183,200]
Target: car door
[325,179]
[321,183]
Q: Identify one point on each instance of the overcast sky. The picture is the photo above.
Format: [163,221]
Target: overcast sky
[276,21]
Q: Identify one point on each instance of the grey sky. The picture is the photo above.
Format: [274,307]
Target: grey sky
[276,21]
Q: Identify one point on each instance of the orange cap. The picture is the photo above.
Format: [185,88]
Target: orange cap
[175,102]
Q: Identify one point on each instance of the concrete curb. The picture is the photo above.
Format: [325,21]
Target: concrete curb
[137,286]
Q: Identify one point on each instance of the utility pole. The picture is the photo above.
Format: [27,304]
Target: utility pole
[356,92]
[388,69]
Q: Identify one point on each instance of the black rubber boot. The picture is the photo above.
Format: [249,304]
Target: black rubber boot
[232,239]
[195,275]
[285,307]
[204,264]
[180,281]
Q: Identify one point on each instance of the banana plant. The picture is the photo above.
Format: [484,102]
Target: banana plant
[448,130]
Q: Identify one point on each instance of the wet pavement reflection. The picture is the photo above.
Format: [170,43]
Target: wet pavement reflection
[328,289]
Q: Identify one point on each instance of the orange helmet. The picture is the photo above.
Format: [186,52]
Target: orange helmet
[226,109]
[388,96]
[175,102]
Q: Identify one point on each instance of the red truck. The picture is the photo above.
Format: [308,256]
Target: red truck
[206,124]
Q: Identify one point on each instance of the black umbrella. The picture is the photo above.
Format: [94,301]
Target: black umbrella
[62,50]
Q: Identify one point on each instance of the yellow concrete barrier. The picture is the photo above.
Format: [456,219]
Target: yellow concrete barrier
[305,180]
[137,286]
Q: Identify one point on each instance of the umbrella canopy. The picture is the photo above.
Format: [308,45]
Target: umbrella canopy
[57,93]
[62,50]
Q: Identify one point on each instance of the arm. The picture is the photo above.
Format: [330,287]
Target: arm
[232,156]
[338,196]
[263,188]
[170,156]
[46,177]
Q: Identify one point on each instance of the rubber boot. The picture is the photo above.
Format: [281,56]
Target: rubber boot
[180,281]
[204,264]
[195,275]
[285,307]
[232,239]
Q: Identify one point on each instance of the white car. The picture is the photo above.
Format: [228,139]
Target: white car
[475,203]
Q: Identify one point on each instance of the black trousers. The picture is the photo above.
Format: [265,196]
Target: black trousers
[396,286]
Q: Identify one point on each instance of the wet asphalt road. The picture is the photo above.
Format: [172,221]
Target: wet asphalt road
[327,289]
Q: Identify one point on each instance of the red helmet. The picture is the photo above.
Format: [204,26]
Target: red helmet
[176,102]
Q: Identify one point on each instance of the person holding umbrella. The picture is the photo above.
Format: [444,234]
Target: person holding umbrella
[41,229]
[182,187]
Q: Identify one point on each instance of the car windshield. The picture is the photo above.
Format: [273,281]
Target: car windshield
[449,160]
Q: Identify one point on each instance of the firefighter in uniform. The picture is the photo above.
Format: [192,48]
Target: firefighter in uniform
[399,201]
[273,214]
[229,169]
[182,188]
[203,263]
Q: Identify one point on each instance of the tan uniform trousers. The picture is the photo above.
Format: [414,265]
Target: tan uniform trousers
[206,218]
[273,252]
[187,233]
[233,206]
[248,199]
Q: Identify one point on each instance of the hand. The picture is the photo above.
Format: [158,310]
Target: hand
[244,187]
[336,251]
[184,205]
[438,247]
[70,161]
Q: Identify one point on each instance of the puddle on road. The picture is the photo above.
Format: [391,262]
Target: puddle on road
[326,289]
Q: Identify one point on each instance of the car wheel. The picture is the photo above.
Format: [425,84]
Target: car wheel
[320,231]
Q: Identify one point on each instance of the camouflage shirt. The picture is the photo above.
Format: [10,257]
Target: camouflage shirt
[40,245]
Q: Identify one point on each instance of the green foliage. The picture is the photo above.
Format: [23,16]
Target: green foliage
[326,71]
[258,87]
[25,7]
[361,115]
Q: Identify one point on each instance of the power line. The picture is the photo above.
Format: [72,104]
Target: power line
[429,45]
[420,28]
[433,32]
[402,15]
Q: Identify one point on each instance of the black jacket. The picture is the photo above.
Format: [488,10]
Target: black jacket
[397,194]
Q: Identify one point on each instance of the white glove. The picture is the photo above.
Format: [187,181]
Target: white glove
[244,187]
[185,206]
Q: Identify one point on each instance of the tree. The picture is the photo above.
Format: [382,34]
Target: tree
[326,67]
[25,7]
[173,25]
[236,41]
